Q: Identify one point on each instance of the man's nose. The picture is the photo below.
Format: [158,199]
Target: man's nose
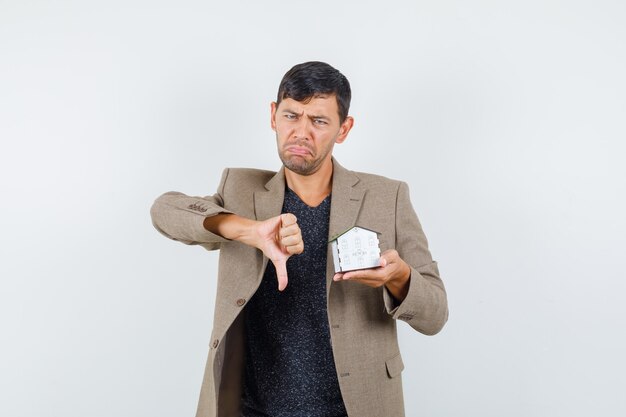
[302,129]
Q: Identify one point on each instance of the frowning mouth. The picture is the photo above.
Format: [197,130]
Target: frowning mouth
[299,150]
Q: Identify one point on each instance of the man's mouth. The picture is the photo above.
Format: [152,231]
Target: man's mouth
[299,150]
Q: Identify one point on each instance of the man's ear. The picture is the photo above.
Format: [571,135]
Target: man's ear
[344,129]
[273,107]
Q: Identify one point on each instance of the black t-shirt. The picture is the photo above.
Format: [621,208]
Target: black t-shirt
[290,370]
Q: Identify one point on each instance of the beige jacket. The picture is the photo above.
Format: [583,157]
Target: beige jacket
[362,319]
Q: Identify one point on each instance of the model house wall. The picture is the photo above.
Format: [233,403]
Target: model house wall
[356,248]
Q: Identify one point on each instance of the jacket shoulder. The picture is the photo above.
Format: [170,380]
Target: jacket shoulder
[247,179]
[239,186]
[374,180]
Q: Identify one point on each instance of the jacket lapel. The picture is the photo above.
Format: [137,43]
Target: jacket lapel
[346,201]
[345,205]
[268,204]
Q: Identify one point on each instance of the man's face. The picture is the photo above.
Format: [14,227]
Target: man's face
[307,132]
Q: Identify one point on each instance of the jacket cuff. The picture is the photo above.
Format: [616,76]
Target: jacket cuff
[181,218]
[406,309]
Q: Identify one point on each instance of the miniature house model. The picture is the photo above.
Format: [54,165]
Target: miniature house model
[356,248]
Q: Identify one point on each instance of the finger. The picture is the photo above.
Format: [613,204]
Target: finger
[389,256]
[372,281]
[364,274]
[338,277]
[281,273]
[288,219]
[291,240]
[293,229]
[295,249]
[360,278]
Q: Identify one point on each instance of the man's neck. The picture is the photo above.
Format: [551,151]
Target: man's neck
[312,189]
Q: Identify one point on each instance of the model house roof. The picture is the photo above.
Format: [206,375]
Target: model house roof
[337,236]
[356,248]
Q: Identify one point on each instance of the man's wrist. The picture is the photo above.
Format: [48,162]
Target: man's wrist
[399,286]
[232,227]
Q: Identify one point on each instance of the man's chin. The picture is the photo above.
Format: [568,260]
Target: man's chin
[299,166]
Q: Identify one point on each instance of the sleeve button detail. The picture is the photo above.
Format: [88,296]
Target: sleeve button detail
[197,207]
[240,302]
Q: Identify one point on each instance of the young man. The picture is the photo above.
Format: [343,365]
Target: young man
[291,337]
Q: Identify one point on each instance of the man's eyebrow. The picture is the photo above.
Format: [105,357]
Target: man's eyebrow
[288,110]
[311,116]
[319,117]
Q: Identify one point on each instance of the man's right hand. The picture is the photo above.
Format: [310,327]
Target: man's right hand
[278,237]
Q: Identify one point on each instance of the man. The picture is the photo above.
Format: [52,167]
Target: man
[291,337]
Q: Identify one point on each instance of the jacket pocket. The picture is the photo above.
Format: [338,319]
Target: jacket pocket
[394,365]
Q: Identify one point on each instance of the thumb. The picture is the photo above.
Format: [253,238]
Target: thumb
[388,257]
[281,273]
[287,219]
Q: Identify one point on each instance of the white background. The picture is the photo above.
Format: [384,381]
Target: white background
[506,118]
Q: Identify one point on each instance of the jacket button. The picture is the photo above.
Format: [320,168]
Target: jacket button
[241,302]
[215,343]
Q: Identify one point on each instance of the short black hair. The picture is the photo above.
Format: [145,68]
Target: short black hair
[310,79]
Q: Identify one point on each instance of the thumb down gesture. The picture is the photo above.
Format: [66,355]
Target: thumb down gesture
[279,238]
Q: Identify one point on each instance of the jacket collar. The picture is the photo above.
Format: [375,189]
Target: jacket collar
[269,203]
[346,198]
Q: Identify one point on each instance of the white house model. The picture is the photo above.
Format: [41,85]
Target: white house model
[356,248]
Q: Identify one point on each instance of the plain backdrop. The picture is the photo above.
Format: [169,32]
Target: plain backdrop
[506,118]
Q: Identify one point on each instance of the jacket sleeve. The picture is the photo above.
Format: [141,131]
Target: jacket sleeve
[180,217]
[425,307]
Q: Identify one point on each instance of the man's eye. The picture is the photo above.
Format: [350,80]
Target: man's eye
[290,116]
[320,122]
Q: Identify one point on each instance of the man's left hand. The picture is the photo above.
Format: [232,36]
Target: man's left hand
[393,273]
